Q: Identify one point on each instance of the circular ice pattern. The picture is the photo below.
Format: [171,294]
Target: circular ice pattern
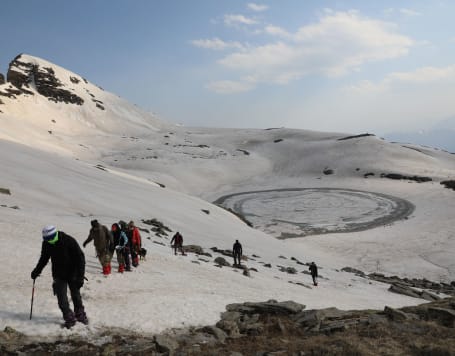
[297,212]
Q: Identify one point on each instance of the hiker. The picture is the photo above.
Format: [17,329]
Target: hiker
[314,273]
[136,243]
[68,270]
[102,239]
[126,250]
[120,243]
[237,252]
[177,243]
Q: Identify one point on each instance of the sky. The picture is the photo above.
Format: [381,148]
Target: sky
[347,66]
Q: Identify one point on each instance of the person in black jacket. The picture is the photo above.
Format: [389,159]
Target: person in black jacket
[314,273]
[237,252]
[68,270]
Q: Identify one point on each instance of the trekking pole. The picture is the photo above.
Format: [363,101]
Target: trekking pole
[31,306]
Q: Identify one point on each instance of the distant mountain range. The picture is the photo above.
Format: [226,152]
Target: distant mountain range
[441,135]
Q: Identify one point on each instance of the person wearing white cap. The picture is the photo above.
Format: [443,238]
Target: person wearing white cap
[68,270]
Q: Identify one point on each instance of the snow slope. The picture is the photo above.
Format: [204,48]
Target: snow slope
[112,164]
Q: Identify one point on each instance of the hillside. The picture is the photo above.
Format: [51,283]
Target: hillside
[72,152]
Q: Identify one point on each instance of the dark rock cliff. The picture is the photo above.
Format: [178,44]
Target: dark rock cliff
[23,75]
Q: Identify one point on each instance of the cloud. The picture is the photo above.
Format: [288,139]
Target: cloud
[277,31]
[401,101]
[424,75]
[216,44]
[402,11]
[231,87]
[257,7]
[340,42]
[409,12]
[233,20]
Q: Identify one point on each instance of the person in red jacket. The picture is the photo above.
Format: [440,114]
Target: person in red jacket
[135,237]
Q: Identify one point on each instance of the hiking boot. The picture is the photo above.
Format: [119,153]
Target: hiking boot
[121,268]
[105,270]
[81,316]
[70,320]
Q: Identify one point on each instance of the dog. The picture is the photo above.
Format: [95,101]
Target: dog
[142,253]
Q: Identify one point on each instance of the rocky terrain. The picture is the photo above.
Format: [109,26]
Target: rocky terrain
[273,328]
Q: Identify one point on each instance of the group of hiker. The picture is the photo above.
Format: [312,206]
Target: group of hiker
[123,238]
[68,260]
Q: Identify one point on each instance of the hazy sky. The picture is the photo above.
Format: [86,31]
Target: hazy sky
[349,66]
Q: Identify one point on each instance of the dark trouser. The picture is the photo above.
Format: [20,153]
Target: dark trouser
[126,255]
[60,290]
[236,258]
[178,247]
[315,279]
[121,256]
[134,257]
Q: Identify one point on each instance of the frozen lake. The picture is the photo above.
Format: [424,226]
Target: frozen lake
[296,212]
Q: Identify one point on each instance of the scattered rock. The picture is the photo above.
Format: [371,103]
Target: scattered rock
[450,184]
[405,290]
[398,176]
[353,270]
[246,153]
[158,227]
[206,211]
[328,171]
[278,140]
[5,191]
[394,314]
[356,136]
[215,331]
[227,253]
[273,328]
[445,316]
[166,344]
[198,250]
[222,262]
[290,270]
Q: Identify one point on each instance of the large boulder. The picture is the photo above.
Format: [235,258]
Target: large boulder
[2,79]
[445,316]
[269,307]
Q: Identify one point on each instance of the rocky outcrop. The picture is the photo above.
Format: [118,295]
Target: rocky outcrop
[272,328]
[2,79]
[220,261]
[198,250]
[450,184]
[397,176]
[407,286]
[23,75]
[355,136]
[158,227]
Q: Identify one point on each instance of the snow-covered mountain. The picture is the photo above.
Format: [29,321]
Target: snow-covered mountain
[71,152]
